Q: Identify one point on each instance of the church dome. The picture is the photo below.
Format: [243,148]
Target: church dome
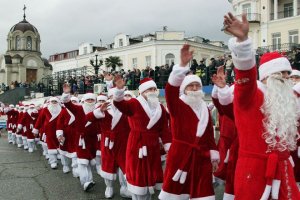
[24,26]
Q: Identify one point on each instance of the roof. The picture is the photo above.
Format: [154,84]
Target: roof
[24,26]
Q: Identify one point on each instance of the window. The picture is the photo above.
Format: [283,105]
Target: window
[134,62]
[29,43]
[246,8]
[84,50]
[120,42]
[293,36]
[288,10]
[148,61]
[18,42]
[276,41]
[170,58]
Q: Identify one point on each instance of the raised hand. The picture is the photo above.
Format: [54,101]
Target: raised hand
[219,79]
[185,55]
[66,88]
[119,82]
[104,106]
[108,77]
[236,27]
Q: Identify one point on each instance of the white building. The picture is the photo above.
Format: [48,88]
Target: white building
[151,50]
[274,24]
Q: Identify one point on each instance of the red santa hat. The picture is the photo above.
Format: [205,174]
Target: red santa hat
[11,106]
[75,99]
[102,97]
[188,80]
[32,106]
[88,96]
[54,99]
[127,92]
[295,73]
[146,84]
[17,106]
[271,63]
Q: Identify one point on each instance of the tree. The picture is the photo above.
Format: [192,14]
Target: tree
[113,62]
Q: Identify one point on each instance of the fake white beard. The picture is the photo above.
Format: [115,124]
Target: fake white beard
[281,114]
[54,109]
[152,99]
[88,107]
[194,98]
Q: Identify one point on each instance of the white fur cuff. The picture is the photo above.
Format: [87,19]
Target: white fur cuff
[242,54]
[167,146]
[225,95]
[298,152]
[296,88]
[98,114]
[20,126]
[214,155]
[65,98]
[214,92]
[266,194]
[59,133]
[177,75]
[119,95]
[35,131]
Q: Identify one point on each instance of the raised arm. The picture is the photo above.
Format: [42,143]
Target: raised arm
[66,99]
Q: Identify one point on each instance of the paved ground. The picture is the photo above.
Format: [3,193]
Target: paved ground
[25,176]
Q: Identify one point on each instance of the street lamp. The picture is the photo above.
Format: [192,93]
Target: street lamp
[96,63]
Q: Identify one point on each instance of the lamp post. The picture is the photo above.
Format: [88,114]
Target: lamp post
[96,63]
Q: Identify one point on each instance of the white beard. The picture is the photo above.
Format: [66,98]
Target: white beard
[194,99]
[88,107]
[54,109]
[281,115]
[152,99]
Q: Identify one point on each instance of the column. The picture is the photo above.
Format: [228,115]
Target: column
[295,7]
[275,9]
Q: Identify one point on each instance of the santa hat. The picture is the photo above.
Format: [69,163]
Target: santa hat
[295,73]
[17,106]
[145,84]
[102,97]
[75,99]
[88,96]
[54,99]
[111,92]
[32,106]
[127,92]
[271,63]
[11,106]
[188,80]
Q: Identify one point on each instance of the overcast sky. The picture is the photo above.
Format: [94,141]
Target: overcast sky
[64,24]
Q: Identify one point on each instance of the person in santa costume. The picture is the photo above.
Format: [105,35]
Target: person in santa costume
[48,119]
[148,123]
[42,134]
[193,155]
[18,131]
[114,133]
[21,129]
[266,119]
[101,98]
[128,95]
[87,143]
[10,112]
[15,124]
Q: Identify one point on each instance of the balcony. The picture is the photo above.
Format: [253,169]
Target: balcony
[279,47]
[251,17]
[284,14]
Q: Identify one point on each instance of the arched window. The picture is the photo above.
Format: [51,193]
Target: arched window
[170,58]
[29,43]
[18,43]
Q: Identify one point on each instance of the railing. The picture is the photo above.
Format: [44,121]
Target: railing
[278,47]
[252,17]
[284,14]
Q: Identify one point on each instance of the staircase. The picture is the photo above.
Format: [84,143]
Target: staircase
[14,96]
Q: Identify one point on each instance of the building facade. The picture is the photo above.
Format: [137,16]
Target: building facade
[149,50]
[22,61]
[274,24]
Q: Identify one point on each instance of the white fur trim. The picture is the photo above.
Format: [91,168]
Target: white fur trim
[144,150]
[183,177]
[116,116]
[107,175]
[228,196]
[243,56]
[225,95]
[72,117]
[214,92]
[205,198]
[177,75]
[227,156]
[88,123]
[145,86]
[65,98]
[275,189]
[111,144]
[292,161]
[166,195]
[62,152]
[155,117]
[119,95]
[35,131]
[98,113]
[20,126]
[298,152]
[98,153]
[188,80]
[137,190]
[214,155]
[266,194]
[167,146]
[89,96]
[273,66]
[158,186]
[296,88]
[30,140]
[295,73]
[83,161]
[102,98]
[52,151]
[59,133]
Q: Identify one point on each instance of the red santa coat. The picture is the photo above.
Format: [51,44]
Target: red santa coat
[143,162]
[87,143]
[19,126]
[49,122]
[11,120]
[114,135]
[41,132]
[255,168]
[28,123]
[66,127]
[189,170]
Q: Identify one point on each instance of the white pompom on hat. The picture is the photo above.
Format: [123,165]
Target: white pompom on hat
[146,84]
[271,63]
[188,80]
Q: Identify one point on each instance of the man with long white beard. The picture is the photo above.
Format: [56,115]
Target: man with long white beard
[148,123]
[266,119]
[193,155]
[10,123]
[21,129]
[87,144]
[48,119]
